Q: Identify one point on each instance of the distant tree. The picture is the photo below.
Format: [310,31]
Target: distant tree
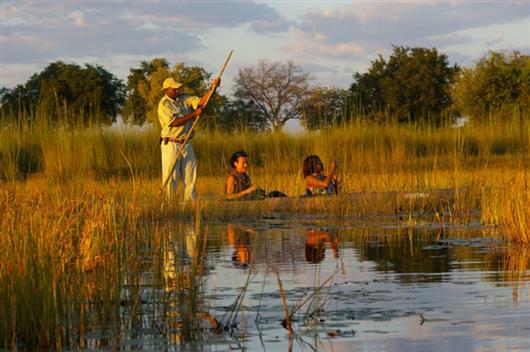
[499,81]
[144,86]
[14,105]
[325,107]
[142,99]
[4,92]
[412,86]
[366,92]
[135,108]
[276,89]
[239,115]
[67,92]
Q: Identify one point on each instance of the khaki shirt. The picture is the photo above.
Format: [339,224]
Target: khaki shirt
[169,110]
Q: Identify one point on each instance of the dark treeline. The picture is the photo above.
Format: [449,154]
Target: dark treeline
[65,93]
[412,85]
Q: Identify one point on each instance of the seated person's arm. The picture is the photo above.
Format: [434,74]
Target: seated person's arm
[230,185]
[312,181]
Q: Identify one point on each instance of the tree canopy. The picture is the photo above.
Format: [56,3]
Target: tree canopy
[275,89]
[68,93]
[498,82]
[413,85]
[144,86]
[325,107]
[239,115]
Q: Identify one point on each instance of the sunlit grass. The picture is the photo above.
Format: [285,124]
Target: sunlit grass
[386,164]
[360,148]
[74,201]
[73,258]
[507,205]
[75,244]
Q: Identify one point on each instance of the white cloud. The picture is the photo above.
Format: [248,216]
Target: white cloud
[319,37]
[77,19]
[319,44]
[375,24]
[338,35]
[36,32]
[450,38]
[13,74]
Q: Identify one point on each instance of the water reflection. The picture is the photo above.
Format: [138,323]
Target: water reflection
[516,266]
[315,245]
[185,316]
[177,256]
[239,238]
[173,255]
[407,251]
[399,289]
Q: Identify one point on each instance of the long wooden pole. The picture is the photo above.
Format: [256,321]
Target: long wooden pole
[181,150]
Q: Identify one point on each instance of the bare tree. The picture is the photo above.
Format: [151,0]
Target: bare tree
[276,89]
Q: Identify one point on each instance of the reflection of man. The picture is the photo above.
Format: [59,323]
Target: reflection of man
[239,238]
[177,273]
[173,257]
[315,245]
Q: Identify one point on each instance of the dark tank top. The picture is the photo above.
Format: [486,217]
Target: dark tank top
[242,181]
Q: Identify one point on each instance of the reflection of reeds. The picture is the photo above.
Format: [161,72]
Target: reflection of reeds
[314,301]
[287,320]
[516,263]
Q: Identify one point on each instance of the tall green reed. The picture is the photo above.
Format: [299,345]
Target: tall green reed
[60,151]
[73,273]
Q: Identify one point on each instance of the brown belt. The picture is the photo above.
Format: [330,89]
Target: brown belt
[174,140]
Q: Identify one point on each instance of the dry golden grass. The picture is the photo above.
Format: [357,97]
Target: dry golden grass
[516,265]
[69,248]
[507,203]
[73,226]
[70,243]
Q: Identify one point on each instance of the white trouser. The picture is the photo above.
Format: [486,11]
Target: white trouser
[185,169]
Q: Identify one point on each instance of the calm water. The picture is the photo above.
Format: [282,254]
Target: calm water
[360,287]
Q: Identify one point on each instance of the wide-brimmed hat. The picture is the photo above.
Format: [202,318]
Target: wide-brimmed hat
[171,83]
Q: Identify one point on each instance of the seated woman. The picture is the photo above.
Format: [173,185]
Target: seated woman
[238,184]
[317,183]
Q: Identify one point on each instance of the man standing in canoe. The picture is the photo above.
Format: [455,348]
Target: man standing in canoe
[176,113]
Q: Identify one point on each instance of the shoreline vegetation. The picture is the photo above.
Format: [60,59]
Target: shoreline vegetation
[75,201]
[380,168]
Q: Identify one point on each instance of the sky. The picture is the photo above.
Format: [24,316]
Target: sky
[330,40]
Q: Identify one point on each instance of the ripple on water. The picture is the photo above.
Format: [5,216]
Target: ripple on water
[379,287]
